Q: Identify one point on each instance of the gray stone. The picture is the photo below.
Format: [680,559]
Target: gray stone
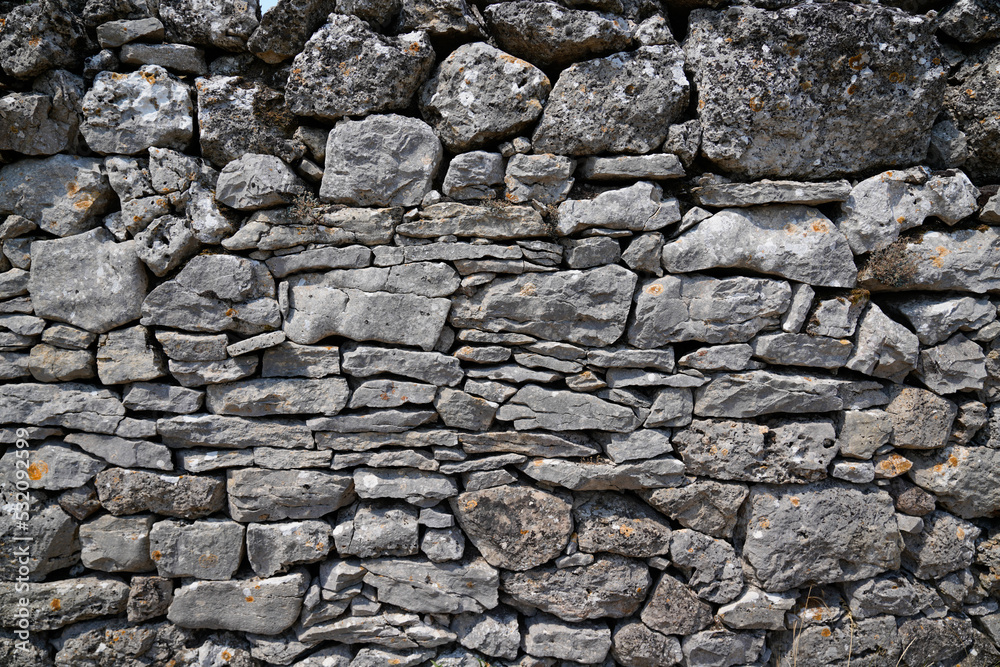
[722,648]
[256,343]
[240,605]
[883,348]
[274,230]
[584,307]
[379,421]
[719,194]
[14,282]
[113,544]
[65,336]
[655,473]
[131,645]
[513,373]
[122,452]
[961,478]
[64,195]
[148,597]
[639,208]
[361,442]
[385,75]
[706,505]
[273,547]
[555,410]
[441,545]
[781,452]
[543,178]
[180,58]
[830,121]
[46,363]
[479,95]
[593,251]
[627,167]
[171,171]
[822,532]
[290,359]
[795,316]
[881,207]
[436,588]
[286,27]
[959,260]
[712,567]
[284,459]
[727,310]
[377,529]
[623,103]
[615,523]
[50,535]
[461,410]
[165,244]
[71,404]
[231,432]
[192,347]
[200,373]
[494,632]
[837,317]
[547,636]
[643,253]
[635,645]
[894,593]
[278,396]
[757,610]
[270,495]
[211,549]
[473,175]
[863,432]
[949,146]
[514,527]
[42,36]
[390,394]
[256,181]
[128,355]
[125,491]
[935,318]
[209,22]
[417,487]
[356,168]
[530,444]
[610,587]
[766,392]
[958,364]
[673,609]
[920,418]
[52,466]
[14,365]
[429,279]
[75,600]
[38,123]
[795,349]
[673,406]
[945,544]
[128,113]
[351,257]
[646,443]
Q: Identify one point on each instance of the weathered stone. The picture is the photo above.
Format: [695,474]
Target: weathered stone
[127,355]
[944,545]
[351,257]
[494,632]
[515,528]
[200,373]
[920,418]
[113,544]
[707,506]
[547,636]
[71,404]
[722,648]
[881,207]
[720,194]
[712,567]
[757,610]
[623,103]
[781,452]
[863,432]
[639,208]
[958,364]
[122,452]
[148,597]
[273,547]
[883,347]
[615,523]
[390,394]
[379,421]
[270,495]
[822,120]
[286,27]
[132,491]
[646,443]
[264,606]
[542,178]
[422,587]
[610,587]
[970,112]
[62,194]
[41,36]
[385,75]
[231,432]
[656,473]
[54,604]
[428,279]
[896,594]
[46,363]
[555,410]
[113,34]
[473,175]
[53,466]
[417,487]
[276,396]
[627,167]
[823,532]
[210,549]
[935,318]
[794,349]
[635,645]
[961,479]
[589,252]
[530,444]
[673,609]
[293,360]
[128,113]
[50,533]
[643,254]
[256,181]
[809,247]
[209,22]
[180,58]
[46,121]
[727,310]
[67,337]
[479,95]
[165,244]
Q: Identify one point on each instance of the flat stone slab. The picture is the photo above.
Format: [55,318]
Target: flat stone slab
[262,606]
[765,191]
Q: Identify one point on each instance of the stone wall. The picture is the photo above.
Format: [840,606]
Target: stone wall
[445,333]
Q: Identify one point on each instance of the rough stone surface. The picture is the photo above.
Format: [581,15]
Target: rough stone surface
[209,22]
[234,605]
[209,549]
[289,494]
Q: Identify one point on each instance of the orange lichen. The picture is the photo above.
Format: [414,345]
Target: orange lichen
[654,289]
[37,470]
[55,605]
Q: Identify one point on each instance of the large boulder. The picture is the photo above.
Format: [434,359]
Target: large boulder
[839,88]
[38,36]
[974,102]
[220,23]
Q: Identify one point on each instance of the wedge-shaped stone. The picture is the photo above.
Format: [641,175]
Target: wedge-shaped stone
[406,319]
[962,260]
[935,318]
[583,307]
[639,208]
[262,606]
[383,75]
[125,491]
[277,396]
[728,310]
[704,505]
[779,453]
[496,224]
[232,432]
[270,495]
[824,532]
[724,195]
[54,604]
[514,527]
[610,587]
[795,242]
[69,404]
[63,288]
[434,588]
[763,114]
[766,392]
[649,474]
[883,348]
[958,364]
[560,410]
[963,479]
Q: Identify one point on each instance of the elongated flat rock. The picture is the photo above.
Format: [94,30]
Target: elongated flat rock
[558,410]
[724,195]
[496,224]
[262,606]
[231,432]
[278,396]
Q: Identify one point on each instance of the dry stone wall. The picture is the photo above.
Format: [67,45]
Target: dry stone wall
[452,332]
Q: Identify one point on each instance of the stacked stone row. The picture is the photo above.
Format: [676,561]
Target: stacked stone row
[441,333]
